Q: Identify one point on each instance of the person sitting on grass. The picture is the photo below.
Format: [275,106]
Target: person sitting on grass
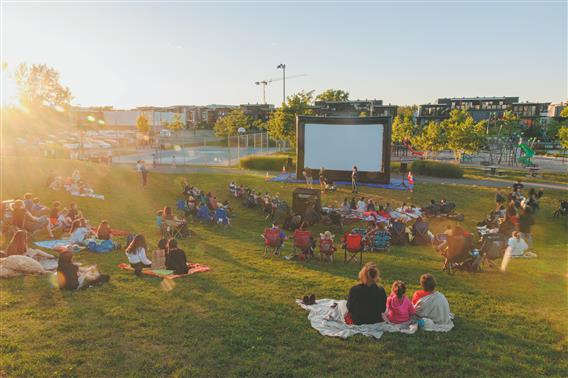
[136,253]
[175,258]
[104,231]
[54,212]
[74,212]
[366,301]
[38,209]
[72,277]
[19,246]
[24,220]
[63,222]
[79,232]
[429,303]
[399,307]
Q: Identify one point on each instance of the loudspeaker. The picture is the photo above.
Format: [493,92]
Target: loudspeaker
[403,167]
[302,198]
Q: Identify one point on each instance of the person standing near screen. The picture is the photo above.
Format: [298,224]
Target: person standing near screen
[308,176]
[322,179]
[354,179]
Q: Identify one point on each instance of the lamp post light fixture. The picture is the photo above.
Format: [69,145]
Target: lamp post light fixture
[283,67]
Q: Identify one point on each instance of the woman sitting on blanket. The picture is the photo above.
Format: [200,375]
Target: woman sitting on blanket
[367,301]
[136,253]
[175,258]
[72,277]
[79,232]
[431,304]
[399,308]
[104,231]
[19,246]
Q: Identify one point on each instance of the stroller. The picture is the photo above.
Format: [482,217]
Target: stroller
[493,247]
[562,211]
[458,256]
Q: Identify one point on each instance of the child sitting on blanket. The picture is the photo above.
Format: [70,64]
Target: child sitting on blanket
[399,307]
[72,277]
[79,232]
[431,304]
[159,255]
[136,253]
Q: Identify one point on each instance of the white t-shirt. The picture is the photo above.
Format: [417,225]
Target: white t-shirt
[78,236]
[517,247]
[361,206]
[138,257]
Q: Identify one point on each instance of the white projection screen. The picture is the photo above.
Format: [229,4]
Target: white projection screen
[340,147]
[339,143]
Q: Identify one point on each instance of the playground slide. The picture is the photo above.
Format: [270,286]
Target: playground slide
[412,151]
[528,154]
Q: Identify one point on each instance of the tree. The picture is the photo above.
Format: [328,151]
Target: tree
[463,134]
[282,122]
[564,112]
[363,114]
[432,138]
[142,124]
[229,124]
[333,95]
[176,123]
[509,123]
[406,110]
[563,136]
[402,128]
[38,87]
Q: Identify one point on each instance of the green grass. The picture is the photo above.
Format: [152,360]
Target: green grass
[240,319]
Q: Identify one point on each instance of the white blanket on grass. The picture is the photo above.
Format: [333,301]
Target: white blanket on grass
[329,321]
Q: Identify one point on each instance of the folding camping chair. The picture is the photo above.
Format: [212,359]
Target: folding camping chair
[420,233]
[398,233]
[221,216]
[174,230]
[381,241]
[353,248]
[326,249]
[272,241]
[301,240]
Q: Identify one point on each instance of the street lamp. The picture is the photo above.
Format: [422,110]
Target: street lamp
[283,67]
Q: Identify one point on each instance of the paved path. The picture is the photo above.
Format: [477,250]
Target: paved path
[418,179]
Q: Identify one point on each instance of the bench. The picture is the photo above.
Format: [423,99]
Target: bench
[533,172]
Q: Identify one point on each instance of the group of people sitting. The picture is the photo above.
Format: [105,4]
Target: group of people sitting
[442,207]
[73,184]
[204,206]
[167,256]
[252,198]
[368,302]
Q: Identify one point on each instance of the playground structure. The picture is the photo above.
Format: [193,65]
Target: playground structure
[525,160]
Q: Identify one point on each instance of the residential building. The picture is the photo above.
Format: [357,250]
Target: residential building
[257,112]
[554,110]
[353,108]
[531,113]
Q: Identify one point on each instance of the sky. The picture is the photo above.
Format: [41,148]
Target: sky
[141,54]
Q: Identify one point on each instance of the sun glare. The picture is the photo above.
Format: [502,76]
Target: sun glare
[9,90]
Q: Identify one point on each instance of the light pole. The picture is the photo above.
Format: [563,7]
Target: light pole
[283,67]
[264,83]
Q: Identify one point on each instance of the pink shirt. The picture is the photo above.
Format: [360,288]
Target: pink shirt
[399,310]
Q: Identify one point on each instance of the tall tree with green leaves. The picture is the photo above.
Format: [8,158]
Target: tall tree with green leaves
[142,124]
[563,136]
[463,134]
[229,124]
[333,95]
[402,128]
[39,87]
[176,123]
[282,122]
[406,110]
[564,112]
[432,138]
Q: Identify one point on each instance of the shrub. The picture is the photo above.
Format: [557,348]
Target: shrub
[436,169]
[266,163]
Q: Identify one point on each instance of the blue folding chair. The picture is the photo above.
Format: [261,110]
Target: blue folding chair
[221,216]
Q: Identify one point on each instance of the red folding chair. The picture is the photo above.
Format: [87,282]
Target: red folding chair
[301,240]
[272,241]
[353,248]
[327,249]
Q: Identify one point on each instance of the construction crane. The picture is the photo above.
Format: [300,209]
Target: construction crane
[265,82]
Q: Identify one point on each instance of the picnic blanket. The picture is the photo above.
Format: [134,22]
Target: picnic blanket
[329,321]
[89,195]
[164,273]
[56,245]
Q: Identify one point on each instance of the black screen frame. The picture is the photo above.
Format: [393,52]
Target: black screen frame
[379,177]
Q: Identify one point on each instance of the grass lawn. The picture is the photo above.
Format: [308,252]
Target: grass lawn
[241,319]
